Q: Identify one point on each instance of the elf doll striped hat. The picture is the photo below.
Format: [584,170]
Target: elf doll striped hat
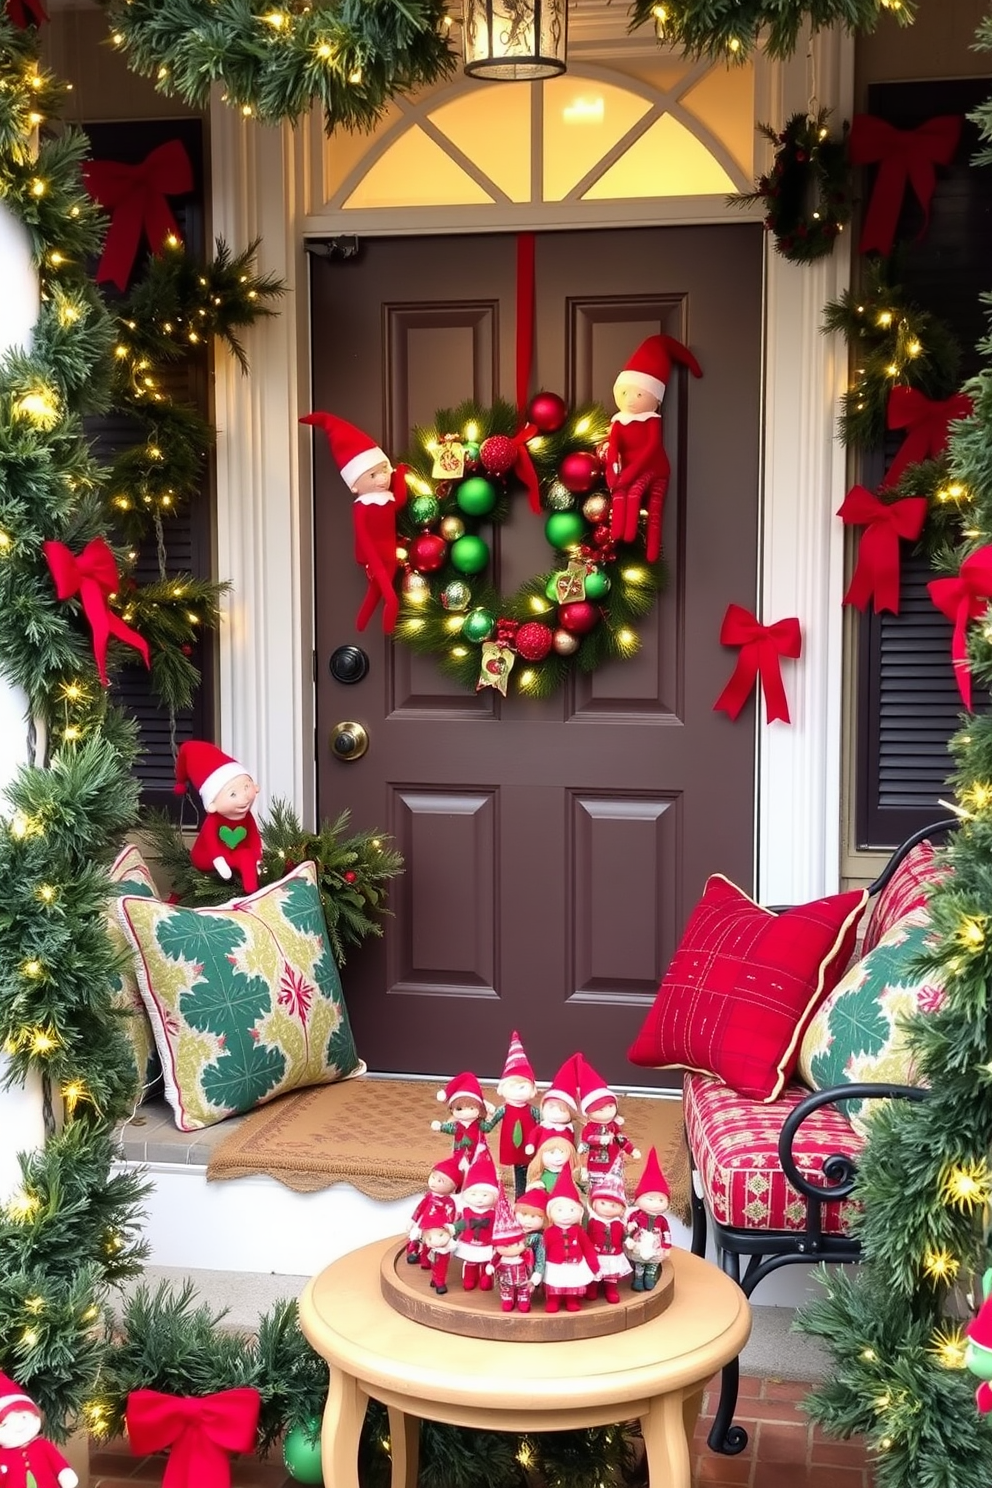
[650,368]
[517,1066]
[507,1229]
[608,1184]
[206,767]
[13,1398]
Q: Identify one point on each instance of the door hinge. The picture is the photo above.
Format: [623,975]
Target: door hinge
[341,249]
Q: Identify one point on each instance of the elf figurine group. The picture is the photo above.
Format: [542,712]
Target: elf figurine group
[570,1233]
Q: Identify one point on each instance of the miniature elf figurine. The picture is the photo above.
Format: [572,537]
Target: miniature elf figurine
[513,1261]
[602,1137]
[648,1237]
[531,1211]
[637,467]
[468,1126]
[557,1108]
[379,491]
[438,1239]
[554,1156]
[978,1350]
[605,1228]
[474,1226]
[27,1459]
[571,1260]
[517,1116]
[443,1183]
[229,841]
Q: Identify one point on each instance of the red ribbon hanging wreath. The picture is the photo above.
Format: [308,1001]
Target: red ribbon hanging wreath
[761,650]
[94,577]
[135,196]
[876,574]
[198,1434]
[903,156]
[962,600]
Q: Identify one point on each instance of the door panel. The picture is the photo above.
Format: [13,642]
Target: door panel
[553,848]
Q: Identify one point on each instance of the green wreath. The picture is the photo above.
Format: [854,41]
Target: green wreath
[807,192]
[465,474]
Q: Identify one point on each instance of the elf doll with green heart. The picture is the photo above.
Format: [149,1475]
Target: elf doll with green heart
[229,840]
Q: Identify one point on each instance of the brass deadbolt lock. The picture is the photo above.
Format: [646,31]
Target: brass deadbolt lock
[349,741]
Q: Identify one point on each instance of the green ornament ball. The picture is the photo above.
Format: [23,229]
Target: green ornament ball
[478,626]
[558,497]
[301,1453]
[469,554]
[476,496]
[424,510]
[597,584]
[565,529]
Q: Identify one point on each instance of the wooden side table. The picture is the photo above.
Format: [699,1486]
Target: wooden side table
[654,1373]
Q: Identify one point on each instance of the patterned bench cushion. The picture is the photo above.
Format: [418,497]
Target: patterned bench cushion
[735,1146]
[907,890]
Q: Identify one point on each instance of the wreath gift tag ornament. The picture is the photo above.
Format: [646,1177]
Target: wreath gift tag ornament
[807,192]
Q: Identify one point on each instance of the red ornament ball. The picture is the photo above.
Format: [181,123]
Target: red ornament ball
[548,412]
[428,552]
[350,876]
[580,471]
[579,617]
[498,454]
[533,640]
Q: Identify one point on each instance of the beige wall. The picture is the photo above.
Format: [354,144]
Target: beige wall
[77,47]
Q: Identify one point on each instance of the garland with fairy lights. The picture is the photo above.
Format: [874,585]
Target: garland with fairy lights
[466,472]
[731,28]
[807,193]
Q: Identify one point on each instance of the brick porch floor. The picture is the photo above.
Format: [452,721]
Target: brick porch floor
[784,1451]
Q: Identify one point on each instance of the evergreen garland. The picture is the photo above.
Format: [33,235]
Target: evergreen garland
[730,28]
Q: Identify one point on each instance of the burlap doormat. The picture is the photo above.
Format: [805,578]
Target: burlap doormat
[375,1135]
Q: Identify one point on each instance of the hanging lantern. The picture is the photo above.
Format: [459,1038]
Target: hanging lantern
[515,40]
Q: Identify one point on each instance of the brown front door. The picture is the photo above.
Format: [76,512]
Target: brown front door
[553,848]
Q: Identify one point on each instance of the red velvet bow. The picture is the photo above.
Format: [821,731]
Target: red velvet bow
[962,600]
[202,1433]
[23,13]
[93,576]
[135,195]
[902,155]
[876,574]
[762,647]
[523,467]
[926,423]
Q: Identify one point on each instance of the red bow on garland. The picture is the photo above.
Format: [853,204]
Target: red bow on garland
[762,647]
[94,577]
[135,195]
[22,13]
[926,423]
[876,574]
[962,600]
[201,1433]
[901,155]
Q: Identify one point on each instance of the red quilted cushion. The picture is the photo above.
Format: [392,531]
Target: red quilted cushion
[743,985]
[906,890]
[734,1144]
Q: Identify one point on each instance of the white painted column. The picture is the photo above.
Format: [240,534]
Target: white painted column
[21,1125]
[802,548]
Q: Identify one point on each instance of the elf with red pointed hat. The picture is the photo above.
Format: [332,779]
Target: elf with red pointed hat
[513,1260]
[229,841]
[517,1116]
[27,1459]
[443,1183]
[379,491]
[637,467]
[531,1212]
[468,1125]
[557,1108]
[603,1141]
[571,1262]
[606,1230]
[474,1227]
[438,1236]
[649,1238]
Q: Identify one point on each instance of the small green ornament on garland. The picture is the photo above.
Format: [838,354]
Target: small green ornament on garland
[301,1453]
[807,192]
[580,611]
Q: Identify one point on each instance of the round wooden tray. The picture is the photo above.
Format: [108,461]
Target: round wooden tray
[477,1314]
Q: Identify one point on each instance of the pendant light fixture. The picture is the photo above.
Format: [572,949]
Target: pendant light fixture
[515,40]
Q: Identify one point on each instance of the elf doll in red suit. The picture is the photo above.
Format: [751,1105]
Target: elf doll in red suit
[228,842]
[474,1227]
[438,1237]
[443,1183]
[379,491]
[517,1117]
[513,1261]
[648,1237]
[27,1459]
[606,1230]
[603,1141]
[472,1117]
[637,467]
[558,1106]
[571,1262]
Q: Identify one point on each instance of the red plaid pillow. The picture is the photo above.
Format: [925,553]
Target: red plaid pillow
[743,985]
[907,889]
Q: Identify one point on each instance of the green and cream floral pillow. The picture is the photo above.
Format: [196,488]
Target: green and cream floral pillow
[244,1000]
[858,1033]
[130,874]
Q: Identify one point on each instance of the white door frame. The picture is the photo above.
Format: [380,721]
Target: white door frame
[264,528]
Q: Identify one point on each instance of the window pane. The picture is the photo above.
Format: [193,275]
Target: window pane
[582,120]
[666,161]
[415,172]
[491,125]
